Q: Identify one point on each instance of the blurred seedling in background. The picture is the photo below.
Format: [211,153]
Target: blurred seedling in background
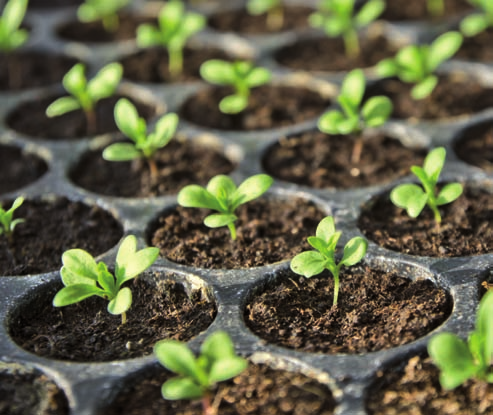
[104,10]
[7,221]
[273,9]
[479,20]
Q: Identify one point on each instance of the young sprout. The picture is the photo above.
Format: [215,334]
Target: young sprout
[417,63]
[310,263]
[222,195]
[459,361]
[83,277]
[435,7]
[340,18]
[198,376]
[7,223]
[273,8]
[356,117]
[241,75]
[85,95]
[480,20]
[104,10]
[413,198]
[175,27]
[134,127]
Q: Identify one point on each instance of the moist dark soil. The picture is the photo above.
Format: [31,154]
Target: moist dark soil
[31,69]
[179,164]
[29,118]
[417,10]
[415,389]
[18,168]
[151,65]
[269,106]
[465,228]
[475,145]
[325,161]
[258,390]
[376,310]
[268,231]
[455,95]
[24,392]
[477,48]
[324,54]
[49,229]
[47,4]
[294,18]
[86,332]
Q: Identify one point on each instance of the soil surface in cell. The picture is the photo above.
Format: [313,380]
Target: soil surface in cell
[49,229]
[477,48]
[418,10]
[376,310]
[258,390]
[465,228]
[415,389]
[326,161]
[268,231]
[179,164]
[475,145]
[86,332]
[48,4]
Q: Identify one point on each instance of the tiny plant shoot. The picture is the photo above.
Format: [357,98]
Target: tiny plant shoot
[478,21]
[310,263]
[134,127]
[273,9]
[417,64]
[222,195]
[175,26]
[414,198]
[7,223]
[241,75]
[459,361]
[198,376]
[83,277]
[435,7]
[85,95]
[340,18]
[356,117]
[104,10]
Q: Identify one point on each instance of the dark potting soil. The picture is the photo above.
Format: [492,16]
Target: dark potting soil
[465,228]
[455,95]
[50,228]
[474,145]
[29,118]
[268,231]
[477,48]
[28,392]
[151,65]
[376,310]
[269,106]
[240,21]
[31,69]
[86,332]
[326,54]
[258,390]
[417,10]
[18,168]
[179,164]
[415,389]
[47,4]
[319,160]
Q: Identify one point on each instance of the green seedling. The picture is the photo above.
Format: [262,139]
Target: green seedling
[417,64]
[310,263]
[356,117]
[273,9]
[7,223]
[458,360]
[341,18]
[478,21]
[222,195]
[175,26]
[134,127]
[241,75]
[84,94]
[104,10]
[414,198]
[435,7]
[198,376]
[83,277]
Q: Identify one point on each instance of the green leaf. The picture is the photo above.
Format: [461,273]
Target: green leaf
[257,77]
[326,228]
[484,326]
[376,111]
[61,106]
[369,12]
[354,251]
[251,188]
[105,82]
[308,263]
[443,48]
[217,220]
[126,250]
[410,197]
[218,345]
[221,186]
[449,193]
[386,68]
[74,80]
[434,162]
[218,72]
[353,87]
[257,7]
[318,243]
[128,121]
[227,368]
[424,88]
[196,196]
[147,36]
[122,302]
[139,262]
[106,279]
[121,152]
[329,122]
[165,129]
[233,104]
[75,293]
[191,23]
[474,24]
[181,388]
[13,14]
[80,263]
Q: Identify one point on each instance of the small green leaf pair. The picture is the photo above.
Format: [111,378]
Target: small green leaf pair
[83,277]
[241,75]
[459,361]
[478,21]
[310,263]
[273,8]
[222,195]
[413,198]
[7,223]
[104,10]
[11,36]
